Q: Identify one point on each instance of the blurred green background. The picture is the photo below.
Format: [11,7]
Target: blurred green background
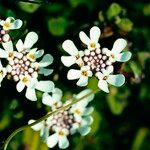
[121,118]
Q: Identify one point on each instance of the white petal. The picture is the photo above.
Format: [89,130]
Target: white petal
[3,53]
[8,46]
[57,94]
[20,86]
[36,127]
[30,94]
[102,84]
[20,46]
[123,57]
[44,133]
[45,71]
[88,111]
[52,140]
[83,81]
[39,53]
[95,34]
[116,80]
[45,86]
[30,40]
[86,100]
[63,142]
[46,60]
[84,130]
[47,99]
[68,60]
[16,24]
[88,120]
[109,69]
[73,74]
[84,38]
[119,45]
[70,48]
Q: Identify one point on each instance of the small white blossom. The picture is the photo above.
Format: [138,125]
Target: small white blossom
[106,77]
[92,42]
[75,57]
[6,25]
[82,75]
[10,23]
[53,100]
[115,54]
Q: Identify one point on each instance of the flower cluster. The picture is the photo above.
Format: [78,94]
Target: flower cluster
[59,126]
[23,65]
[6,25]
[95,60]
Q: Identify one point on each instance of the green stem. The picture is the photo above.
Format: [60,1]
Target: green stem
[45,117]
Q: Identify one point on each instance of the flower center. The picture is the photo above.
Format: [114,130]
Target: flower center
[77,111]
[63,119]
[25,80]
[61,133]
[84,73]
[7,25]
[105,78]
[96,60]
[20,66]
[92,45]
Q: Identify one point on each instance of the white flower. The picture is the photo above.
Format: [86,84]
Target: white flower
[44,86]
[10,23]
[92,42]
[81,74]
[32,84]
[8,51]
[79,109]
[3,72]
[106,77]
[76,56]
[46,61]
[115,54]
[59,137]
[55,100]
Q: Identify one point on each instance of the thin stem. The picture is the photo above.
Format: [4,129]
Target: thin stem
[46,116]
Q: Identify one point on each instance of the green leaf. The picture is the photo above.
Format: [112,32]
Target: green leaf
[97,118]
[146,10]
[136,68]
[117,100]
[28,7]
[57,26]
[113,11]
[125,24]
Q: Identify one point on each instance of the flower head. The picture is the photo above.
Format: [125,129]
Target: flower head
[66,122]
[24,66]
[6,25]
[96,61]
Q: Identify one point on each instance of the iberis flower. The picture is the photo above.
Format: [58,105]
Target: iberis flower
[95,60]
[6,25]
[59,126]
[23,66]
